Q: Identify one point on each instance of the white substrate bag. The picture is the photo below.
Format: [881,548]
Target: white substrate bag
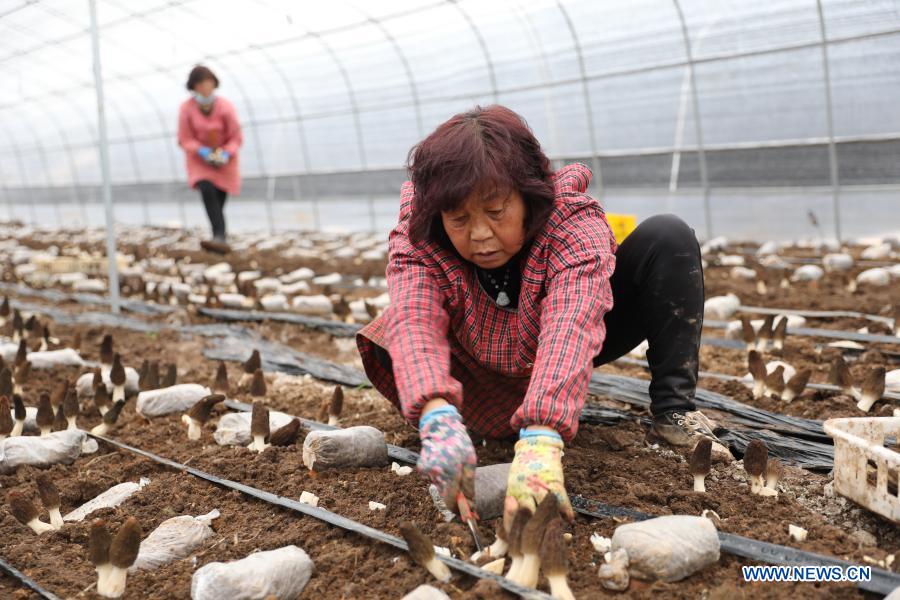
[721,307]
[175,398]
[233,429]
[174,539]
[281,573]
[808,273]
[65,357]
[837,262]
[111,498]
[877,276]
[59,447]
[359,446]
[312,305]
[8,350]
[668,548]
[84,385]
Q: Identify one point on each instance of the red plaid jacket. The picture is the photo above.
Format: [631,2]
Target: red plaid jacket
[503,369]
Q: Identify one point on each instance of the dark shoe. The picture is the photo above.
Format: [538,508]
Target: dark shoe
[216,246]
[686,428]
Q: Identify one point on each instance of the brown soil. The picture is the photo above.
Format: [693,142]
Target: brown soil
[611,464]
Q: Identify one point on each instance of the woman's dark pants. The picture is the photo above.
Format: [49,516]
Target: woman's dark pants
[214,201]
[658,296]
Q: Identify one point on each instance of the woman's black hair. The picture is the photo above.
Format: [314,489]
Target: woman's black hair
[198,74]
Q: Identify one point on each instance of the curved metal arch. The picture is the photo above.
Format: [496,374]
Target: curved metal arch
[540,55]
[698,127]
[23,176]
[484,49]
[413,88]
[235,81]
[130,80]
[586,93]
[829,120]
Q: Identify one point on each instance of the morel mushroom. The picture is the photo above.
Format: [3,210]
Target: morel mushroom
[701,460]
[24,510]
[774,471]
[259,427]
[123,551]
[98,548]
[45,416]
[779,335]
[555,562]
[109,419]
[6,420]
[171,376]
[748,334]
[421,550]
[50,499]
[220,385]
[758,372]
[514,537]
[70,408]
[286,434]
[530,544]
[19,415]
[59,419]
[796,385]
[21,354]
[117,377]
[775,382]
[101,399]
[6,382]
[332,407]
[755,459]
[199,414]
[258,384]
[872,389]
[765,334]
[106,351]
[250,366]
[23,373]
[151,382]
[59,393]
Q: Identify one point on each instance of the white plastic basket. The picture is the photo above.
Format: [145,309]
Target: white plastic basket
[864,469]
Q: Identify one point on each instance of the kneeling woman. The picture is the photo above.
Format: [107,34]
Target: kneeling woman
[507,289]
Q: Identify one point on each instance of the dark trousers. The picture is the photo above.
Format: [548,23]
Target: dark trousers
[214,201]
[657,296]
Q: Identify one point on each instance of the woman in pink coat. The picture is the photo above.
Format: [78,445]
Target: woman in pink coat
[209,133]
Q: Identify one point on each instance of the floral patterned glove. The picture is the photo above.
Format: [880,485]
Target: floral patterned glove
[448,456]
[535,471]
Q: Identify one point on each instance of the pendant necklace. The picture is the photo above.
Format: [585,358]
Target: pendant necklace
[502,296]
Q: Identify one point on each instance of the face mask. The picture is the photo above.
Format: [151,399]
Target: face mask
[204,100]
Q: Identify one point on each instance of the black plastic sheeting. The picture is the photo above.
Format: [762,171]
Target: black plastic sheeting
[798,441]
[822,333]
[335,328]
[331,518]
[794,440]
[882,581]
[135,306]
[725,377]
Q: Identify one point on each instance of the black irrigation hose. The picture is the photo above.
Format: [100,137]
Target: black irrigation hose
[825,387]
[882,581]
[626,389]
[823,333]
[136,306]
[327,517]
[335,328]
[26,581]
[816,314]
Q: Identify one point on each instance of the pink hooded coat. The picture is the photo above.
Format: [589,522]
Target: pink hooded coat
[218,129]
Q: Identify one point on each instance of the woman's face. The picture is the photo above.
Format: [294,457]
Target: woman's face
[205,87]
[488,228]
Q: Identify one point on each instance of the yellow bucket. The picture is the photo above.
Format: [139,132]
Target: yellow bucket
[621,225]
